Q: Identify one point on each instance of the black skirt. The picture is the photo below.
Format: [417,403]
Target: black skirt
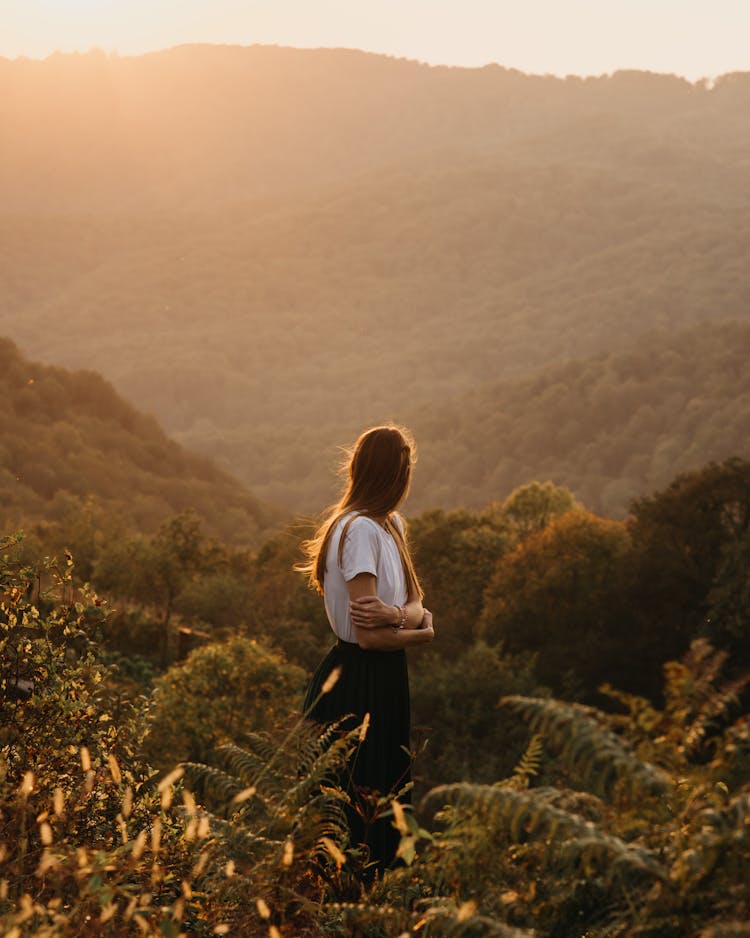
[374,682]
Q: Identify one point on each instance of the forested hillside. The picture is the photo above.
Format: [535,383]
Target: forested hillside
[269,248]
[66,436]
[609,427]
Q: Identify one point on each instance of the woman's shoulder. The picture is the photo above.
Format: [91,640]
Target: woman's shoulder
[354,521]
[357,532]
[357,545]
[361,524]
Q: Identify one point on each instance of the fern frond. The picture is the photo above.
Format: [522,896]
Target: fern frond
[329,820]
[590,751]
[213,785]
[324,769]
[692,678]
[311,741]
[261,744]
[642,717]
[732,819]
[521,816]
[713,709]
[528,764]
[442,919]
[242,843]
[241,763]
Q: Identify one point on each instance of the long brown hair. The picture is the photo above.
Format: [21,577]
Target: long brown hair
[378,471]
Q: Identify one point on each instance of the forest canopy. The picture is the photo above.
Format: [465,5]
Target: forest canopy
[610,427]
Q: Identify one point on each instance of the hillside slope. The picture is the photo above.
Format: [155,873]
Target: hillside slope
[68,434]
[610,427]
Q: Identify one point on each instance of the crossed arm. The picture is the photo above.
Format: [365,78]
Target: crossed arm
[374,620]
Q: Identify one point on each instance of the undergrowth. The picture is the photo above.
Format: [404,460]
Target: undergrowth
[645,831]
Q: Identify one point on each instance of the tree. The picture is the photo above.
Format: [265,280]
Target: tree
[156,570]
[728,615]
[455,553]
[531,507]
[560,595]
[688,544]
[291,616]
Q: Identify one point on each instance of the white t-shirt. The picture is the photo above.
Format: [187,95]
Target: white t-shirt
[368,548]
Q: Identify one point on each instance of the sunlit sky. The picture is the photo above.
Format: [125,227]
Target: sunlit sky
[695,38]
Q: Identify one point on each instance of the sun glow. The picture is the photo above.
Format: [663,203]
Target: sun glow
[687,37]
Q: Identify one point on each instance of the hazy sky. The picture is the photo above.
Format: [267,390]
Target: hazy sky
[690,37]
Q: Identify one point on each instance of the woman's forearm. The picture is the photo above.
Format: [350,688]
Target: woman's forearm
[386,638]
[371,612]
[414,615]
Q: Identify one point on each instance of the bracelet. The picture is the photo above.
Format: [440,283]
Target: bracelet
[401,624]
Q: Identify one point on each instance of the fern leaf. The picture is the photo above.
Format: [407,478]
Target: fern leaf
[528,764]
[713,709]
[215,786]
[242,763]
[261,744]
[590,751]
[325,768]
[527,815]
[442,919]
[241,842]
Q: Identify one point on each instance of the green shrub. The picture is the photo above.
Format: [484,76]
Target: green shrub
[218,695]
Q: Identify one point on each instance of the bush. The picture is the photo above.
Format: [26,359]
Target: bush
[76,812]
[219,694]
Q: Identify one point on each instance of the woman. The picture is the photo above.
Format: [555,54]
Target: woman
[359,559]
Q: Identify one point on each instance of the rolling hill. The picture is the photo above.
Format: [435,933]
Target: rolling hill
[66,436]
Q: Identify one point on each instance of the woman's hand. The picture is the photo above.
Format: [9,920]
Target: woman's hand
[370,612]
[427,626]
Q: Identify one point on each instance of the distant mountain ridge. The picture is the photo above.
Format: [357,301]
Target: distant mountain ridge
[195,125]
[66,434]
[270,248]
